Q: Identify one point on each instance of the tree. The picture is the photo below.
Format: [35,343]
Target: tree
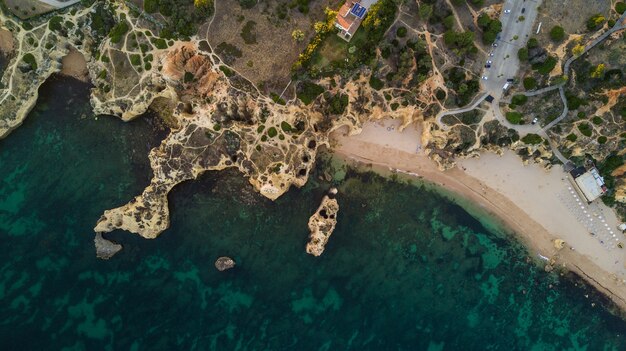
[598,71]
[620,7]
[530,83]
[522,54]
[297,35]
[595,21]
[425,11]
[557,33]
[578,50]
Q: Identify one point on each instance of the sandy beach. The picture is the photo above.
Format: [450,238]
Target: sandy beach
[538,205]
[75,65]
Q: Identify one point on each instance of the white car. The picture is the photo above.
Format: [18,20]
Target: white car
[495,45]
[535,120]
[489,62]
[491,54]
[507,11]
[485,77]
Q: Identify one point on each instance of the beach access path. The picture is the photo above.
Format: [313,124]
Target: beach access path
[535,203]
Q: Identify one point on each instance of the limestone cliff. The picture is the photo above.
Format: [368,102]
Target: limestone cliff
[322,224]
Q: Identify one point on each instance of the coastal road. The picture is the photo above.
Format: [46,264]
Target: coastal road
[60,3]
[505,63]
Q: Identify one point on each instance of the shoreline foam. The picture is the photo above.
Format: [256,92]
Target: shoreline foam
[390,153]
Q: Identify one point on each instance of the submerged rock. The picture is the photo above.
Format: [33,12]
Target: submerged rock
[322,224]
[223,263]
[105,249]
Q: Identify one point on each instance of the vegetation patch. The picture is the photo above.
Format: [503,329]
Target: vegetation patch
[248,33]
[30,60]
[557,33]
[272,132]
[532,139]
[490,27]
[585,129]
[376,83]
[547,66]
[602,139]
[530,83]
[519,99]
[118,31]
[227,71]
[308,91]
[514,117]
[597,120]
[572,137]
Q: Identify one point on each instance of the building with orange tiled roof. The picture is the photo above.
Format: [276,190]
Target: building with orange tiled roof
[350,15]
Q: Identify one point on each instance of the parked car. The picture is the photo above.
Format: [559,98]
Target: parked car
[491,54]
[507,11]
[495,45]
[523,10]
[485,77]
[535,120]
[487,66]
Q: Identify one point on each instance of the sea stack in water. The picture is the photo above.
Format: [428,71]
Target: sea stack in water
[105,249]
[223,263]
[322,223]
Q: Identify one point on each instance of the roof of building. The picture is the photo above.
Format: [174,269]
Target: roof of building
[591,184]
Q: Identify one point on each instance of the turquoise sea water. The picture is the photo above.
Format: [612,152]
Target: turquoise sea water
[405,270]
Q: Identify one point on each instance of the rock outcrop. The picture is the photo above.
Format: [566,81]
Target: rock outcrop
[105,249]
[223,263]
[322,224]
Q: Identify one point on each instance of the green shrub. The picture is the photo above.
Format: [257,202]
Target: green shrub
[597,120]
[595,21]
[135,59]
[150,6]
[547,66]
[55,23]
[585,129]
[514,117]
[519,99]
[118,31]
[401,32]
[602,139]
[286,127]
[522,54]
[620,7]
[532,43]
[248,32]
[159,43]
[557,33]
[277,99]
[532,139]
[30,59]
[272,132]
[308,91]
[188,77]
[376,83]
[227,71]
[572,137]
[530,83]
[247,4]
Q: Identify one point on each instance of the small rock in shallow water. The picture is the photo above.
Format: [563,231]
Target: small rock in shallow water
[105,249]
[224,263]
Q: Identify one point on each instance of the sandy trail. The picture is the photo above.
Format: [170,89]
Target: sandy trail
[534,203]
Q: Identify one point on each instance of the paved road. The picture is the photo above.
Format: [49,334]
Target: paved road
[505,63]
[60,3]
